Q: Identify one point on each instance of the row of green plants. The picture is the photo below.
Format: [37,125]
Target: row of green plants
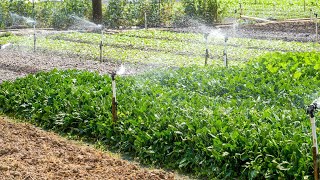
[191,43]
[129,54]
[223,123]
[160,47]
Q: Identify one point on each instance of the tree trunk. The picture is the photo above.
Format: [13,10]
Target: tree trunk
[97,11]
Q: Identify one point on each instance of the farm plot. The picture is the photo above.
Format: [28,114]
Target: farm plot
[244,122]
[273,9]
[162,48]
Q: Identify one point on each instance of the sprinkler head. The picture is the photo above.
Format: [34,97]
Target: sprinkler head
[312,109]
[226,38]
[113,75]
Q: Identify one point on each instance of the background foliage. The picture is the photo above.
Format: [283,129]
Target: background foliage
[116,13]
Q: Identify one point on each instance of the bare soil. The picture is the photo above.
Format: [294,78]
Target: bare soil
[18,62]
[29,153]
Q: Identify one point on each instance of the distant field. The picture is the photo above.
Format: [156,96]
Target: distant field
[161,47]
[275,9]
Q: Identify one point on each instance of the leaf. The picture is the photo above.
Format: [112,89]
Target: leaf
[317,66]
[297,75]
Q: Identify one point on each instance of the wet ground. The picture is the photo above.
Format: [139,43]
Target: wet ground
[29,153]
[17,62]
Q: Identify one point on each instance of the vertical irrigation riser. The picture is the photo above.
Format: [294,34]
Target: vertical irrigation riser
[114,98]
[225,57]
[207,49]
[101,44]
[317,36]
[311,112]
[240,5]
[34,27]
[145,20]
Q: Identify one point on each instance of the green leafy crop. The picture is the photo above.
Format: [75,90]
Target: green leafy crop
[246,123]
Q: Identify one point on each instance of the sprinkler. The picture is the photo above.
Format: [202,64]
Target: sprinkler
[145,20]
[34,37]
[207,49]
[316,14]
[34,28]
[225,57]
[311,112]
[101,42]
[114,99]
[240,6]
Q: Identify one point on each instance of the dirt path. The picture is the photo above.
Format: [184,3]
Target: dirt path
[26,152]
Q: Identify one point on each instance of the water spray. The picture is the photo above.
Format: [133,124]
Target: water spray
[101,43]
[225,57]
[207,49]
[114,98]
[311,112]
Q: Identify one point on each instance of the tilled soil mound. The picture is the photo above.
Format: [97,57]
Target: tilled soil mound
[29,153]
[293,26]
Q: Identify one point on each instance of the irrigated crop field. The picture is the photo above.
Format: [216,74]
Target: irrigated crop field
[223,102]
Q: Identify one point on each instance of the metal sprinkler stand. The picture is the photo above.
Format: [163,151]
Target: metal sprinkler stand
[240,7]
[34,37]
[207,49]
[317,36]
[225,57]
[114,99]
[311,111]
[34,28]
[101,44]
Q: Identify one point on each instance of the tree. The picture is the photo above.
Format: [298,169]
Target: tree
[97,11]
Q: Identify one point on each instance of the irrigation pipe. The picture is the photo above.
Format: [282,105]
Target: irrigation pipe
[207,49]
[114,98]
[101,44]
[225,57]
[311,112]
[34,27]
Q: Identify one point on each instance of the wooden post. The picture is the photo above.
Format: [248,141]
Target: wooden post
[315,163]
[311,112]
